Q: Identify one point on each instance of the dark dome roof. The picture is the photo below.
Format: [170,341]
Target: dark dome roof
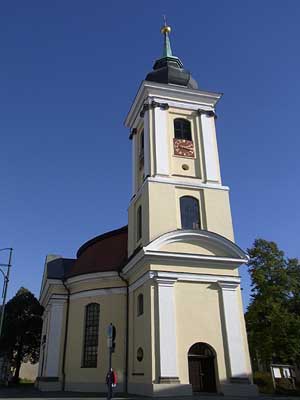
[107,252]
[170,70]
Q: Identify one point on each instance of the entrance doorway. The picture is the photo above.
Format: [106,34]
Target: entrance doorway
[202,374]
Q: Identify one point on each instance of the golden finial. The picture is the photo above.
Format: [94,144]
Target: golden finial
[165,28]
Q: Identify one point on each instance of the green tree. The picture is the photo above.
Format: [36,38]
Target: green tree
[273,316]
[22,329]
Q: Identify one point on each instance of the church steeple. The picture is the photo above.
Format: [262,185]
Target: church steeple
[169,69]
[165,30]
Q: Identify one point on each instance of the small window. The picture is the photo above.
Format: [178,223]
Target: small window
[189,211]
[140,354]
[91,332]
[140,304]
[182,129]
[142,142]
[139,223]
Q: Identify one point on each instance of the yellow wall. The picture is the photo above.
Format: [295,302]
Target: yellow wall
[198,320]
[112,310]
[195,164]
[217,270]
[140,335]
[160,201]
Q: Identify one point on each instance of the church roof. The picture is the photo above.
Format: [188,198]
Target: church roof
[169,69]
[107,252]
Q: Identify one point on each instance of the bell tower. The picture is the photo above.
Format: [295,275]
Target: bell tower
[176,180]
[183,262]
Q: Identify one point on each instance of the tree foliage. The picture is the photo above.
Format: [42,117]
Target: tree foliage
[273,316]
[22,329]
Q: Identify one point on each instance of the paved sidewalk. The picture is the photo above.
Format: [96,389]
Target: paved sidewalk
[28,392]
[202,397]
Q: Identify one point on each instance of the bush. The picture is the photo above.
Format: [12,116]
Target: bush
[264,381]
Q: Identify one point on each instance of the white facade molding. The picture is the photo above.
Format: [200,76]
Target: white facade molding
[164,256]
[211,161]
[185,105]
[98,292]
[196,184]
[178,183]
[185,277]
[76,280]
[134,164]
[201,237]
[45,293]
[147,170]
[161,141]
[233,330]
[153,253]
[92,277]
[169,93]
[187,184]
[167,328]
[53,336]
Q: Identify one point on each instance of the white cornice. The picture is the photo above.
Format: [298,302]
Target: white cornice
[109,275]
[170,93]
[199,237]
[98,292]
[178,183]
[222,280]
[46,288]
[152,253]
[79,279]
[187,183]
[157,257]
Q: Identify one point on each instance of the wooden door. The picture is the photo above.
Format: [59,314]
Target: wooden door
[201,361]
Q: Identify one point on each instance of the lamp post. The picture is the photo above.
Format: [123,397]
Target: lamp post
[5,274]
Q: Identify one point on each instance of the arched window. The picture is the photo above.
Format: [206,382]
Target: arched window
[140,304]
[189,212]
[139,223]
[91,333]
[182,129]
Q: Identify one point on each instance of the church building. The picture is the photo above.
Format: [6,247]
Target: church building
[169,281]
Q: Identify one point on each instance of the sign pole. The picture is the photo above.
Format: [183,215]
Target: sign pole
[111,336]
[109,394]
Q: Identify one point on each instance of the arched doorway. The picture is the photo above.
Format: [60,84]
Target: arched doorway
[201,359]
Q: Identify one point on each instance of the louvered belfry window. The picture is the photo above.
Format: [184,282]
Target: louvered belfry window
[91,333]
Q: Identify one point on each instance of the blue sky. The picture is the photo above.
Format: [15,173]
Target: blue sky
[68,73]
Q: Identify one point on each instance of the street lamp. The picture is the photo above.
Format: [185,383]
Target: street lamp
[5,274]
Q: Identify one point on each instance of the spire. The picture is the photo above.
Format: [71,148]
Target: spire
[169,69]
[165,30]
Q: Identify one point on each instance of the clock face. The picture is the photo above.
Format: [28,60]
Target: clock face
[184,148]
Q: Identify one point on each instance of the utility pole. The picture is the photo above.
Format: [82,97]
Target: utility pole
[5,284]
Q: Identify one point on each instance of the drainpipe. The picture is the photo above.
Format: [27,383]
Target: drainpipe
[66,337]
[127,332]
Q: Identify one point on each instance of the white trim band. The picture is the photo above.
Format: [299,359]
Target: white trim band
[185,277]
[98,292]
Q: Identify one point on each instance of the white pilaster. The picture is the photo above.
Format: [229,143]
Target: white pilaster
[233,328]
[211,160]
[42,347]
[167,328]
[161,141]
[54,335]
[134,164]
[147,144]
